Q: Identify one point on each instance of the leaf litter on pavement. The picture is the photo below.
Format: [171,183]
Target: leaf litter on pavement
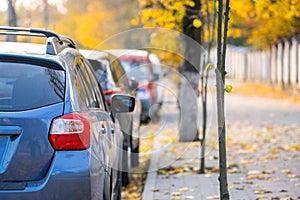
[267,154]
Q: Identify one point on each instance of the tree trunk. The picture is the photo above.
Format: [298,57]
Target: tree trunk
[12,19]
[188,126]
[220,79]
[46,13]
[204,79]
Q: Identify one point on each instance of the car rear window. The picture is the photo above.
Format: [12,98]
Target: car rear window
[136,69]
[28,86]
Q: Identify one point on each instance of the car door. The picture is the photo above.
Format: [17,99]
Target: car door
[97,108]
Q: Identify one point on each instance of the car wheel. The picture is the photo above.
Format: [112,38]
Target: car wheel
[119,186]
[135,154]
[107,187]
[126,162]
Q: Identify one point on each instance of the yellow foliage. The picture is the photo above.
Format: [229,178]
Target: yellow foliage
[197,23]
[264,22]
[165,13]
[87,27]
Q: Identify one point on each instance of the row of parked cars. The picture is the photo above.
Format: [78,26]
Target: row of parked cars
[70,118]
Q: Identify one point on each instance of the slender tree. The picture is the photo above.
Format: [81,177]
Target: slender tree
[210,28]
[46,13]
[12,19]
[220,79]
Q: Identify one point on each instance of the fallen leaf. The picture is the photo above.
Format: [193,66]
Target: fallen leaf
[213,197]
[253,172]
[261,197]
[286,171]
[189,197]
[283,191]
[293,147]
[155,190]
[268,171]
[258,176]
[262,191]
[275,150]
[183,189]
[175,193]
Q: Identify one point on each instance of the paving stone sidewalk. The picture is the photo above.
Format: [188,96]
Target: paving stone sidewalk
[263,156]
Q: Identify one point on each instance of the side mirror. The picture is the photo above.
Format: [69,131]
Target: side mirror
[122,103]
[133,84]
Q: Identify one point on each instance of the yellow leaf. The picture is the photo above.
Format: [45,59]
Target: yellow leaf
[261,197]
[209,66]
[189,197]
[213,197]
[183,189]
[197,23]
[286,171]
[228,88]
[293,147]
[134,22]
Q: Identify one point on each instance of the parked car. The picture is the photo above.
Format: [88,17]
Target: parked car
[113,80]
[57,138]
[137,64]
[158,74]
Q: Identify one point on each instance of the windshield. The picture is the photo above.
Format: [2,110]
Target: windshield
[27,86]
[139,70]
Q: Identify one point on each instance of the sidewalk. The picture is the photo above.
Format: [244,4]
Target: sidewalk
[263,137]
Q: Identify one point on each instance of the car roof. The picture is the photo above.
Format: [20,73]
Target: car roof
[22,48]
[94,54]
[128,52]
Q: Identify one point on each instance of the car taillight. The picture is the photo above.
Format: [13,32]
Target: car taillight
[70,132]
[113,91]
[147,87]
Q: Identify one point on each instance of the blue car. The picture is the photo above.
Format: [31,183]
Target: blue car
[57,138]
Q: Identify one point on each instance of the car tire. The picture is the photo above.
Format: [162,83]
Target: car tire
[107,187]
[126,164]
[134,154]
[118,192]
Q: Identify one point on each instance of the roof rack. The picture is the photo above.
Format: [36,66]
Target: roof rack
[55,43]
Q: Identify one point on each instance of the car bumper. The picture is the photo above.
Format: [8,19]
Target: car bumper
[69,177]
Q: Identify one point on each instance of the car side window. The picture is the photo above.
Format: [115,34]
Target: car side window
[85,84]
[80,88]
[96,88]
[122,78]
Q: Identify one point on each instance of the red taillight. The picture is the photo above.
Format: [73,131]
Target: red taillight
[113,91]
[70,132]
[148,86]
[108,92]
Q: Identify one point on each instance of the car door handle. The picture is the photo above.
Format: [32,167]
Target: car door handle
[103,129]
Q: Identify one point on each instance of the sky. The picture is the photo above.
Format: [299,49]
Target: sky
[33,3]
